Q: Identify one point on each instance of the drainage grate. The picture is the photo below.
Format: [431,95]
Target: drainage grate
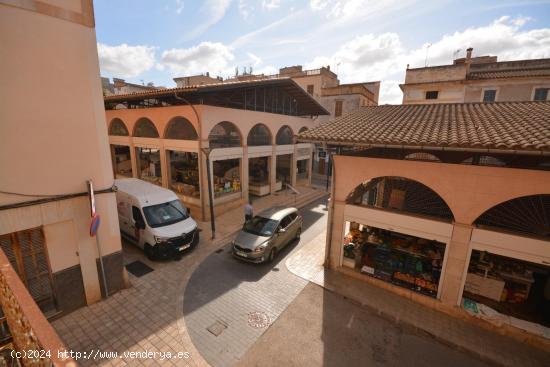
[138,269]
[258,320]
[217,328]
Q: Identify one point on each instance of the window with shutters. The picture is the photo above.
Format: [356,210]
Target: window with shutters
[338,108]
[541,94]
[27,253]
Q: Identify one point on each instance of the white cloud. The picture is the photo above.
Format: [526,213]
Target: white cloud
[207,56]
[179,6]
[271,4]
[212,12]
[125,61]
[318,4]
[255,59]
[245,9]
[383,57]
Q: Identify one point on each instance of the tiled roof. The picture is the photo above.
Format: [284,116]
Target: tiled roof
[522,126]
[497,74]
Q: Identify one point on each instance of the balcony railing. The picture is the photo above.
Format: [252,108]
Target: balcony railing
[33,342]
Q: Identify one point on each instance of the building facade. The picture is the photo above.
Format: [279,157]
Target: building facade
[447,205]
[478,79]
[50,151]
[165,137]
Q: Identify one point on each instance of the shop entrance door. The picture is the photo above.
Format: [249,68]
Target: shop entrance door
[26,251]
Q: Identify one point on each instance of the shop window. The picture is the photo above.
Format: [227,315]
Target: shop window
[516,288]
[259,135]
[258,171]
[180,128]
[489,95]
[117,128]
[432,94]
[338,106]
[400,194]
[145,129]
[541,94]
[227,176]
[527,215]
[302,169]
[27,254]
[122,163]
[284,165]
[422,156]
[407,261]
[284,136]
[149,165]
[184,173]
[224,135]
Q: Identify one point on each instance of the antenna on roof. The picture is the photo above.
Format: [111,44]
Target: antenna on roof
[427,50]
[455,54]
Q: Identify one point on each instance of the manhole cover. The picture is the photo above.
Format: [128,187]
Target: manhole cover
[258,320]
[217,328]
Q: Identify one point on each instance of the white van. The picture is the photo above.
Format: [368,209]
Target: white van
[154,219]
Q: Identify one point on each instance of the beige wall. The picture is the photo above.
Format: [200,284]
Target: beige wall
[436,73]
[54,135]
[507,90]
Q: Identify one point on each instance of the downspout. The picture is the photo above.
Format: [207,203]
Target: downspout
[199,124]
[330,220]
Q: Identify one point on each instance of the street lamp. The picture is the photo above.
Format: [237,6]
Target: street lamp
[207,152]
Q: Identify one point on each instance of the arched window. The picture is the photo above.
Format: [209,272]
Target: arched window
[524,215]
[117,128]
[259,135]
[422,156]
[284,136]
[145,129]
[302,129]
[180,128]
[224,135]
[485,160]
[400,194]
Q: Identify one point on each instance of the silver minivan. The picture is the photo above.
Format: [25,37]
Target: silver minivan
[267,233]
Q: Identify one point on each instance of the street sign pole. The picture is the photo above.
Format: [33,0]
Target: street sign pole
[94,227]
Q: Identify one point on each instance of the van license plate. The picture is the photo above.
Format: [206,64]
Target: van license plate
[184,247]
[240,253]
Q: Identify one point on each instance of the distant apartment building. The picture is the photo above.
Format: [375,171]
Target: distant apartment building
[478,79]
[201,79]
[54,139]
[120,86]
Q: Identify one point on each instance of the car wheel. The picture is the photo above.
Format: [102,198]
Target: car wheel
[298,233]
[272,255]
[149,252]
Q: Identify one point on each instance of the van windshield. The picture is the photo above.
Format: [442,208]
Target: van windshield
[161,215]
[260,226]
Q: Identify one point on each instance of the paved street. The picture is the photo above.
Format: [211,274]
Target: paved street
[226,290]
[321,328]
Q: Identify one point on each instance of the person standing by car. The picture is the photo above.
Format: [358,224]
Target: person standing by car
[248,211]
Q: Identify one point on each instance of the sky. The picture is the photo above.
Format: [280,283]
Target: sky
[145,41]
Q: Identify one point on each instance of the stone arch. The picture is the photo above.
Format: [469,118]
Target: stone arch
[395,193]
[525,215]
[180,128]
[117,127]
[225,135]
[302,129]
[259,135]
[285,136]
[145,128]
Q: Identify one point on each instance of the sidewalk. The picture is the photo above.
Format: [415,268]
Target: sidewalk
[463,335]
